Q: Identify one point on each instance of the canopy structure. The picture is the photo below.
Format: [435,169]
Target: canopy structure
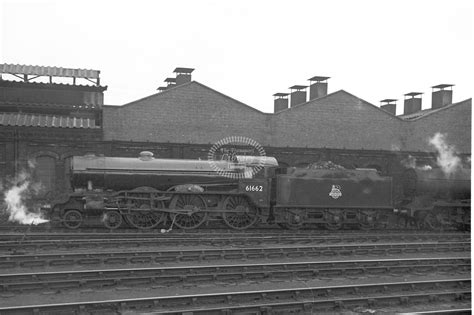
[28,73]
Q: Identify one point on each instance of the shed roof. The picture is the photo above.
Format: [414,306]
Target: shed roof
[49,71]
[51,121]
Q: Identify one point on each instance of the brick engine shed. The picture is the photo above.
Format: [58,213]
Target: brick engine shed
[47,123]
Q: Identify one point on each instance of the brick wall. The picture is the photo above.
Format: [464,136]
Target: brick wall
[339,120]
[194,113]
[188,113]
[454,122]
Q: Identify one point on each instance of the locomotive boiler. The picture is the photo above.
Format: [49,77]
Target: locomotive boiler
[118,173]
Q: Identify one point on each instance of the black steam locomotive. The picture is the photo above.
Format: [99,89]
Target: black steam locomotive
[146,192]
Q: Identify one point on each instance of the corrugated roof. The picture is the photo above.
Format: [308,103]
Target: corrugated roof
[87,107]
[52,121]
[49,71]
[54,85]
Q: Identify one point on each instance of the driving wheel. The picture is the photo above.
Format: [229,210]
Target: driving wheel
[241,214]
[194,213]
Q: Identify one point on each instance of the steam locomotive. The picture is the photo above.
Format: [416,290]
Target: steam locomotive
[147,192]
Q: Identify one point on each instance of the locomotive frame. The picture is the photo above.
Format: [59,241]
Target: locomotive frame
[240,204]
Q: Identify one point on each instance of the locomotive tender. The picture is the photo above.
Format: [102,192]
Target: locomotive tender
[146,192]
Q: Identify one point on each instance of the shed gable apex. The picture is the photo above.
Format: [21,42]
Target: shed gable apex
[193,84]
[337,97]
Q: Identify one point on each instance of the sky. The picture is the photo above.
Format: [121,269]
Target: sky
[249,50]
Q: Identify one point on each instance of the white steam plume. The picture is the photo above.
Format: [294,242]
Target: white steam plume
[410,162]
[425,168]
[14,196]
[447,159]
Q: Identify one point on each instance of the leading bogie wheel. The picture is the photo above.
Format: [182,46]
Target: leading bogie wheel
[112,219]
[192,211]
[239,213]
[72,219]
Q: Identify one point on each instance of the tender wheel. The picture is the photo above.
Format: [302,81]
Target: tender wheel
[368,219]
[112,219]
[294,221]
[146,219]
[194,214]
[72,219]
[333,220]
[244,216]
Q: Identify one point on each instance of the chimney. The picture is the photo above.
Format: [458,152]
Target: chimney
[441,97]
[298,94]
[162,88]
[171,82]
[388,105]
[281,102]
[318,88]
[183,75]
[412,105]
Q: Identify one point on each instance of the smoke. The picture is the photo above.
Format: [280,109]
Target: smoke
[446,159]
[425,168]
[410,162]
[395,147]
[15,194]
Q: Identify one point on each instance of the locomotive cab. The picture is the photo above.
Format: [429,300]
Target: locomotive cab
[436,199]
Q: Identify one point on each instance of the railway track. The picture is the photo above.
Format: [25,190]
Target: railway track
[212,229]
[456,311]
[34,230]
[280,301]
[87,258]
[105,278]
[226,260]
[101,241]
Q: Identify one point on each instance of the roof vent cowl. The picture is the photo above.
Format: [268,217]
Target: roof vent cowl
[443,96]
[413,104]
[298,95]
